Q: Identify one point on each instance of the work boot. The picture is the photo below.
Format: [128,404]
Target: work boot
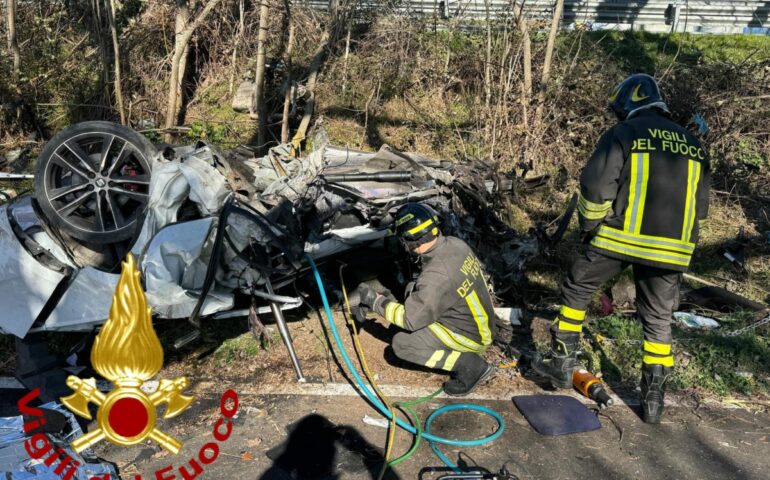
[470,371]
[558,364]
[653,387]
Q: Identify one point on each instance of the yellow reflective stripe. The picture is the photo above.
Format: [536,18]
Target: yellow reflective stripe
[642,195]
[665,361]
[693,177]
[394,313]
[389,311]
[591,210]
[572,314]
[450,360]
[404,219]
[569,327]
[596,207]
[648,241]
[453,340]
[591,215]
[421,226]
[637,192]
[657,348]
[641,252]
[481,317]
[399,320]
[434,359]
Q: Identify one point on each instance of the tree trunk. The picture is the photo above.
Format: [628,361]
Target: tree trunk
[524,28]
[488,61]
[552,40]
[259,80]
[181,20]
[182,40]
[548,60]
[288,85]
[13,43]
[238,41]
[315,67]
[116,61]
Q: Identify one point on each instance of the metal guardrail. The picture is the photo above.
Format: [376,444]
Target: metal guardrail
[700,16]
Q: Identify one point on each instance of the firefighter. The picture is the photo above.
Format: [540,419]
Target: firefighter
[643,195]
[448,318]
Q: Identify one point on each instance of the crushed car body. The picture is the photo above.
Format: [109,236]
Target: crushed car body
[208,226]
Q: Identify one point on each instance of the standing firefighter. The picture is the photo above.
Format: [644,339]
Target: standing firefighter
[643,194]
[448,318]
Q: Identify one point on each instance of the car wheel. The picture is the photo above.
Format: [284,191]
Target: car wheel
[92,181]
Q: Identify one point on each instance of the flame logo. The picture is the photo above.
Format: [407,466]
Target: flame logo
[127,347]
[127,352]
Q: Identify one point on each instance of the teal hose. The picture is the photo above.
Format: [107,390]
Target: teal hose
[386,412]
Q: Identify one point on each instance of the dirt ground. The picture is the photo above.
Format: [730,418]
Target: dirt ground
[240,358]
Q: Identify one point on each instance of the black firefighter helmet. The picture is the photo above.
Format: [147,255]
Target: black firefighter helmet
[639,91]
[416,225]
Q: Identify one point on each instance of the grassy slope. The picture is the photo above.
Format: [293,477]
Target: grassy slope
[706,361]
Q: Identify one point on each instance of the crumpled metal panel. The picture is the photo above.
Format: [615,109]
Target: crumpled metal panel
[344,239]
[16,464]
[86,303]
[175,264]
[25,284]
[174,182]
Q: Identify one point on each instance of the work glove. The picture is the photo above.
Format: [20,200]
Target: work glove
[367,296]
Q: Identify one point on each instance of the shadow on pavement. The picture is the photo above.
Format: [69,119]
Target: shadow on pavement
[317,449]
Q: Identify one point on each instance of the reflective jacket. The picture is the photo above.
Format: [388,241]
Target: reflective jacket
[644,191]
[450,298]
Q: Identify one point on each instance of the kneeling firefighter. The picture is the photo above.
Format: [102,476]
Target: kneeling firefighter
[642,195]
[448,318]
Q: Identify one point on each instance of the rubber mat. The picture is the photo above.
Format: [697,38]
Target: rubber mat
[556,414]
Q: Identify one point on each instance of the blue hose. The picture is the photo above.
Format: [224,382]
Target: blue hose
[386,412]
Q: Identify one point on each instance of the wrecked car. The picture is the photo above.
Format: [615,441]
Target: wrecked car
[210,228]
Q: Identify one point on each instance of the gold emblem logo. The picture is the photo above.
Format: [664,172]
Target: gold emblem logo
[128,353]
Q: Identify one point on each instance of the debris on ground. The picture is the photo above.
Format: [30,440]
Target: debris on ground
[691,320]
[17,464]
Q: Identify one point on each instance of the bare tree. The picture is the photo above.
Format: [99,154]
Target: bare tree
[238,41]
[557,11]
[315,67]
[526,92]
[259,80]
[111,8]
[185,30]
[288,82]
[488,60]
[13,43]
[559,7]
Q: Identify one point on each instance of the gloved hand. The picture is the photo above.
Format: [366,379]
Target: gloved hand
[367,295]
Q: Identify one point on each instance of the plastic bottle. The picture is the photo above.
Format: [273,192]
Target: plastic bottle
[591,387]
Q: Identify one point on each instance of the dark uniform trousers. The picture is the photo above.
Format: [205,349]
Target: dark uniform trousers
[449,314]
[423,347]
[657,294]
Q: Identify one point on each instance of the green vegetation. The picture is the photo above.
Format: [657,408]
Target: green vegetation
[237,348]
[705,360]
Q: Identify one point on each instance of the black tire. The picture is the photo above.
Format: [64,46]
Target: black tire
[92,181]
